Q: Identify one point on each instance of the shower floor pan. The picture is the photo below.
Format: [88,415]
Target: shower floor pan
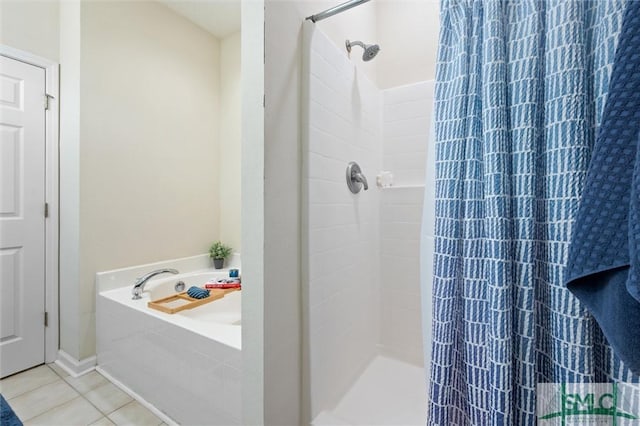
[389,392]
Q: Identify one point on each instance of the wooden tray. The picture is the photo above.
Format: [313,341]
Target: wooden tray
[182,301]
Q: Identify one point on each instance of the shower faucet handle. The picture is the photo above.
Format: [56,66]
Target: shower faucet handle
[355,179]
[359,177]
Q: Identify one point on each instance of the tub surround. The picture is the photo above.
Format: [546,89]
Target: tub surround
[201,319]
[146,404]
[172,362]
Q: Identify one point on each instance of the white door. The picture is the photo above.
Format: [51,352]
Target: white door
[22,221]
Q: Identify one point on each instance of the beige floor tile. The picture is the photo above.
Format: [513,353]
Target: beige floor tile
[134,414]
[108,398]
[58,370]
[35,402]
[26,381]
[86,382]
[77,412]
[102,422]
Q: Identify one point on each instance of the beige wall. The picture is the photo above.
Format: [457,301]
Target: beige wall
[139,131]
[32,26]
[149,149]
[408,36]
[230,141]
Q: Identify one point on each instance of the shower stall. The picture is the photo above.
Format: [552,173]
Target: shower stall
[365,332]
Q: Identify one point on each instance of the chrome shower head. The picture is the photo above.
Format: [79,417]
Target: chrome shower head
[370,50]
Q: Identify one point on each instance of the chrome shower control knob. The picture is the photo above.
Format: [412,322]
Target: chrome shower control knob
[355,179]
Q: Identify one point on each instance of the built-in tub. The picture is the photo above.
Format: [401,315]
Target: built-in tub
[187,364]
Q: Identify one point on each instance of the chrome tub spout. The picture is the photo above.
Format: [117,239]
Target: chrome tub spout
[138,287]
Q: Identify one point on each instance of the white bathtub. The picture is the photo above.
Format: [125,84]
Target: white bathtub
[187,364]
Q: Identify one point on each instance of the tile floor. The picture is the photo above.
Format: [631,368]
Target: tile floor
[47,395]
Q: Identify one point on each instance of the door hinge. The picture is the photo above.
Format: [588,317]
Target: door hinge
[46,209]
[46,319]
[47,101]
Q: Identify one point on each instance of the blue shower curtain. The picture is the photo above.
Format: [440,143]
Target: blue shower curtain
[520,88]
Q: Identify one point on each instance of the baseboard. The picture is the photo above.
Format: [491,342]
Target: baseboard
[162,416]
[74,367]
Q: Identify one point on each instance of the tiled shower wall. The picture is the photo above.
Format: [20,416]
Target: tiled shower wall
[407,117]
[362,251]
[342,243]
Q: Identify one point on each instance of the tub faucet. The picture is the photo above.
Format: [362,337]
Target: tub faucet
[138,287]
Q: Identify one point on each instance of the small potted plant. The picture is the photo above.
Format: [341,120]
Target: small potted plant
[219,252]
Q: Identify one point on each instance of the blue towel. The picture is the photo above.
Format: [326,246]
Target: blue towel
[604,256]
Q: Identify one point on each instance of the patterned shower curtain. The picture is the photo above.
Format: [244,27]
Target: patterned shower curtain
[520,89]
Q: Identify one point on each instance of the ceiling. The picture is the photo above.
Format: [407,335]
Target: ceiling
[219,17]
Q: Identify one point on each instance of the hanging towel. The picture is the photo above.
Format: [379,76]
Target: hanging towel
[604,256]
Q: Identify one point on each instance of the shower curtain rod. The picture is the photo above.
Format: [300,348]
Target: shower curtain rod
[335,10]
